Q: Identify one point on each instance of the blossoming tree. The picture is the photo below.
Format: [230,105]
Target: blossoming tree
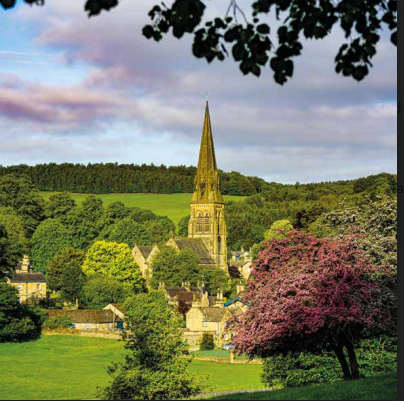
[309,294]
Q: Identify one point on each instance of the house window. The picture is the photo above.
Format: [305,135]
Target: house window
[37,297]
[86,327]
[207,223]
[38,287]
[20,300]
[205,324]
[19,287]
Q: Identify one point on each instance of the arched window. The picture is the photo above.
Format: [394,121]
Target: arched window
[207,223]
[200,223]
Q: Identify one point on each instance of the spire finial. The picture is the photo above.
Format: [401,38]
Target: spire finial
[207,97]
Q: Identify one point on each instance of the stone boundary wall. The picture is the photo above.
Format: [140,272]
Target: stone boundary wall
[83,333]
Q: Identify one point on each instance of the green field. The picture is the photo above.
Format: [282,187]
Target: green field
[70,367]
[376,388]
[174,206]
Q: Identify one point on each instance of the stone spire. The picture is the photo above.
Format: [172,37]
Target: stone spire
[207,177]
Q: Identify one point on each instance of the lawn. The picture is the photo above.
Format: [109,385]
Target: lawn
[216,353]
[71,367]
[174,206]
[376,388]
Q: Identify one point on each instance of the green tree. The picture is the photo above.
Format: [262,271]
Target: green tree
[92,208]
[113,260]
[160,229]
[17,322]
[57,264]
[278,230]
[174,267]
[14,226]
[154,369]
[72,278]
[215,279]
[50,237]
[59,205]
[21,194]
[99,291]
[129,232]
[375,226]
[182,228]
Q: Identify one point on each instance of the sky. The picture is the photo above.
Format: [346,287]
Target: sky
[81,90]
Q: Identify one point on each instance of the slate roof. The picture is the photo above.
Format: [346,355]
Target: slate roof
[28,278]
[84,315]
[213,314]
[145,250]
[198,247]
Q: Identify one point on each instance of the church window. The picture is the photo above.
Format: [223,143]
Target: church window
[207,223]
[200,223]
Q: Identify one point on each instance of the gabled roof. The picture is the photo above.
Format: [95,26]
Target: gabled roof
[197,246]
[212,314]
[84,315]
[28,278]
[145,250]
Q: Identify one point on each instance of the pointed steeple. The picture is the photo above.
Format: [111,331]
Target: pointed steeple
[207,176]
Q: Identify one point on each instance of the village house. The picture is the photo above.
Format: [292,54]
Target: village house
[143,256]
[120,313]
[242,261]
[89,320]
[31,286]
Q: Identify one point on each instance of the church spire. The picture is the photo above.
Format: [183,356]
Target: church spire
[207,177]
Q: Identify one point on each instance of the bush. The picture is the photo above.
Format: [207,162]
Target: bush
[374,357]
[207,342]
[58,322]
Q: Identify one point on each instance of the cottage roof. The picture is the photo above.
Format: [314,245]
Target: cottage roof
[28,278]
[145,250]
[213,314]
[237,299]
[119,307]
[198,247]
[84,315]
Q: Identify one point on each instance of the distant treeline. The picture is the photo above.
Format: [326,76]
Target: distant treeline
[103,178]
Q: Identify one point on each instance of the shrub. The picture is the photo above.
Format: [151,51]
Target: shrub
[374,357]
[58,322]
[207,342]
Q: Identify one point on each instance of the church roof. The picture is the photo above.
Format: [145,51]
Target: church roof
[145,250]
[197,246]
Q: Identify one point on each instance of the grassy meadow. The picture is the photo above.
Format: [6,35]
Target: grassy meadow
[382,387]
[71,367]
[174,206]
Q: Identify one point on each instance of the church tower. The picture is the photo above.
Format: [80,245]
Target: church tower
[207,205]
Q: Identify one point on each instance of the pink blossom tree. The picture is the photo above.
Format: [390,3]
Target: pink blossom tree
[309,294]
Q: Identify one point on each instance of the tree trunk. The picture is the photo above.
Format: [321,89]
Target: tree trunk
[352,360]
[339,351]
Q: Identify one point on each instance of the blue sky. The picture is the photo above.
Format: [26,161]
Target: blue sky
[79,90]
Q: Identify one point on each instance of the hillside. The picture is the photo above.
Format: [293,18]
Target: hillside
[174,206]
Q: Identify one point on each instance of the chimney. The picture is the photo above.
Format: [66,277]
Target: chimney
[240,288]
[25,264]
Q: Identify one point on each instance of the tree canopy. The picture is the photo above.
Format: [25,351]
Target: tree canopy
[113,260]
[249,38]
[310,294]
[153,369]
[174,267]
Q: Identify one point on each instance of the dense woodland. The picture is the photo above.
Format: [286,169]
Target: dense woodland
[130,178]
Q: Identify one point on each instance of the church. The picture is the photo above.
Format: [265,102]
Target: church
[207,227]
